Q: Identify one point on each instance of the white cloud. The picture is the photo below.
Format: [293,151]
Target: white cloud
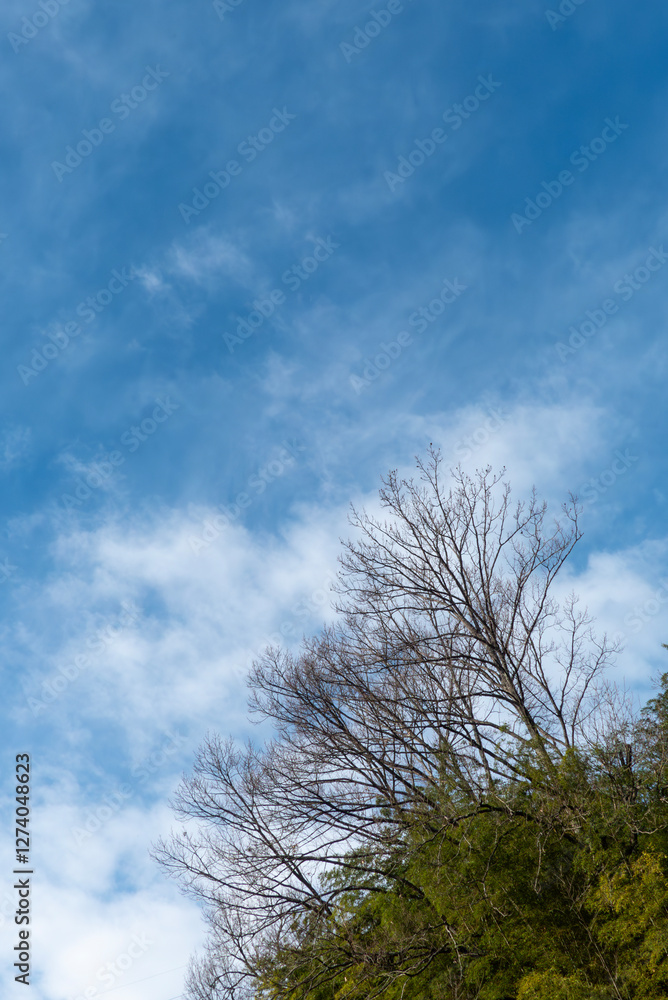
[152,279]
[627,593]
[14,445]
[103,915]
[549,446]
[184,655]
[205,256]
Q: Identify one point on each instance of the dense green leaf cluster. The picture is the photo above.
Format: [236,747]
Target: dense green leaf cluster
[553,888]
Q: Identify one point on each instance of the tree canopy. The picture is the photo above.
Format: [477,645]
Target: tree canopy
[456,803]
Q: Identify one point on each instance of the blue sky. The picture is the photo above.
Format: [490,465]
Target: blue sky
[433,222]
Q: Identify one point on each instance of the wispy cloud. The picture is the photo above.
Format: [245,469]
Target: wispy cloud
[14,446]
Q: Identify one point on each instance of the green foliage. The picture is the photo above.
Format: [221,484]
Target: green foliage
[552,986]
[556,888]
[631,907]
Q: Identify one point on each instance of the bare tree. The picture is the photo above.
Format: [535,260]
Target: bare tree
[452,671]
